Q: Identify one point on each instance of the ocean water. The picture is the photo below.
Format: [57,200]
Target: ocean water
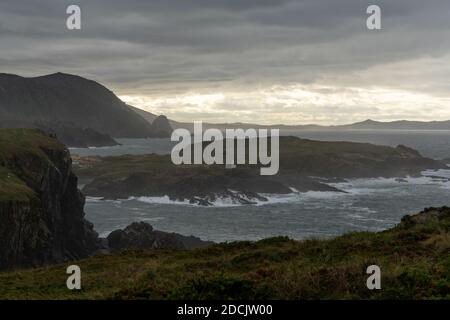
[430,143]
[434,144]
[368,205]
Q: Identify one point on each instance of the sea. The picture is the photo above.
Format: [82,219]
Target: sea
[369,204]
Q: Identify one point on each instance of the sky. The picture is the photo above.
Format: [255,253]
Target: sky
[257,61]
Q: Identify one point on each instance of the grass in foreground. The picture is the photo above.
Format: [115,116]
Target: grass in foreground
[414,258]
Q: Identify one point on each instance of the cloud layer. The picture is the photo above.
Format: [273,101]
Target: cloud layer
[267,61]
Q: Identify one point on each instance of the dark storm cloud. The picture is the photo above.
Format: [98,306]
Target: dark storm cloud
[223,30]
[148,46]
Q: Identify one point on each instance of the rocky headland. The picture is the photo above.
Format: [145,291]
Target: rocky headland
[81,112]
[305,165]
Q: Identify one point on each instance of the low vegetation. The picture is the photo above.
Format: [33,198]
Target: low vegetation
[414,258]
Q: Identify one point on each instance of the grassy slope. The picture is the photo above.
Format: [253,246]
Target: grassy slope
[414,259]
[19,141]
[21,146]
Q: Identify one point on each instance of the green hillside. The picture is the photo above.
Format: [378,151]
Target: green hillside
[414,258]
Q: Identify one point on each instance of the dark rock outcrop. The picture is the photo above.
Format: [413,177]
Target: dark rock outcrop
[161,127]
[140,235]
[195,185]
[41,208]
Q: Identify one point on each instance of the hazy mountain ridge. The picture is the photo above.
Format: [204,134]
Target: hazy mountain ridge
[398,125]
[363,125]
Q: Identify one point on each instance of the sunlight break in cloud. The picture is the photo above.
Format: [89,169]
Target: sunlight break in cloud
[296,104]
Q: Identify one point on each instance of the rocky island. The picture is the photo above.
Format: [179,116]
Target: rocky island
[305,165]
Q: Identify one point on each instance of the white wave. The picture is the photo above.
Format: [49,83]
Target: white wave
[364,210]
[439,178]
[225,202]
[352,188]
[297,196]
[322,194]
[277,198]
[159,200]
[93,148]
[94,199]
[444,173]
[380,185]
[155,219]
[102,148]
[221,201]
[102,199]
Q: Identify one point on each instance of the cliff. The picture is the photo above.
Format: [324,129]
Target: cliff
[41,208]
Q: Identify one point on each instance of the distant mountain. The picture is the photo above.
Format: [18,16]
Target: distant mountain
[83,112]
[364,125]
[63,98]
[398,125]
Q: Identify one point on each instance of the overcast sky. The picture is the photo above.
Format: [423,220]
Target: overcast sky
[263,61]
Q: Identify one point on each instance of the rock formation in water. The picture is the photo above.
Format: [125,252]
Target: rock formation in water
[161,127]
[140,235]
